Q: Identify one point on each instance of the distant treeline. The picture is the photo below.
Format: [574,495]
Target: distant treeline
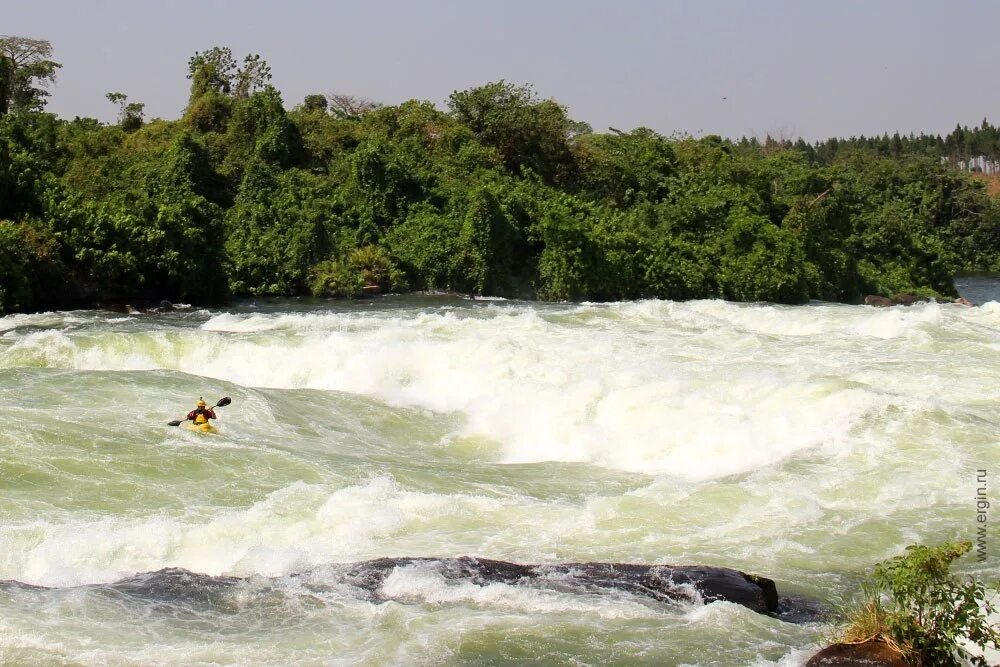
[502,193]
[961,144]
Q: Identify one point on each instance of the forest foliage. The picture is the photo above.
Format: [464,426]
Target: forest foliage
[500,193]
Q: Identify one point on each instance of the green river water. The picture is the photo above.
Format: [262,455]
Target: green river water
[800,443]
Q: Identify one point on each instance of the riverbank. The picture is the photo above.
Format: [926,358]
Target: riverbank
[974,289]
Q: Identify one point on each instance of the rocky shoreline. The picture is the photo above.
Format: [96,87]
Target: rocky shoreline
[909,300]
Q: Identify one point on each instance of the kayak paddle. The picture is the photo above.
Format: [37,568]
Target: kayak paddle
[223,402]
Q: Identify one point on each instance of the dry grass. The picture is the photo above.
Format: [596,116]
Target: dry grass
[869,622]
[992,182]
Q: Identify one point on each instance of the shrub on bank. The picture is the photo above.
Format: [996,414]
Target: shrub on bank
[929,615]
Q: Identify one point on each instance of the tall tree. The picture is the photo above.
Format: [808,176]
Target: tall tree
[211,70]
[25,72]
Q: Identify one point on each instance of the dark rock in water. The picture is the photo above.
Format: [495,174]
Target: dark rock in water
[797,609]
[690,583]
[875,300]
[908,299]
[165,306]
[872,653]
[897,300]
[665,583]
[370,290]
[175,584]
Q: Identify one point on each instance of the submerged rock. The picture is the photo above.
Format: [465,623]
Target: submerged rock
[872,653]
[875,300]
[908,299]
[176,585]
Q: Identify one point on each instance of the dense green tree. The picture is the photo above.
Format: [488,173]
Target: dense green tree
[759,261]
[157,238]
[486,243]
[281,225]
[528,132]
[29,152]
[625,167]
[315,103]
[570,259]
[259,129]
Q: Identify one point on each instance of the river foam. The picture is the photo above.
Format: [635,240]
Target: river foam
[700,390]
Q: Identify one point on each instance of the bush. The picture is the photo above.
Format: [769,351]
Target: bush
[916,604]
[762,262]
[377,268]
[366,266]
[426,244]
[900,256]
[259,129]
[335,278]
[678,270]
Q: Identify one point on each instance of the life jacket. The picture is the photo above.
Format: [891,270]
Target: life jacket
[201,415]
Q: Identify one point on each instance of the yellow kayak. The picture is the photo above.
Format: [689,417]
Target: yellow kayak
[200,428]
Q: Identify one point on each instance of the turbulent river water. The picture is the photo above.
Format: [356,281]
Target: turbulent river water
[800,443]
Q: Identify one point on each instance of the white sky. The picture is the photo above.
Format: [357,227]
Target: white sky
[812,69]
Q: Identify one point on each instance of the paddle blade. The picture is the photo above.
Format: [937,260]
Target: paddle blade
[223,402]
[174,423]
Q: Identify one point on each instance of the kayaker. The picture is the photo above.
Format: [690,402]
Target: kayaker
[202,413]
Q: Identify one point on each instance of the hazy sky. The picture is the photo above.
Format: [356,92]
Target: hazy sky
[790,68]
